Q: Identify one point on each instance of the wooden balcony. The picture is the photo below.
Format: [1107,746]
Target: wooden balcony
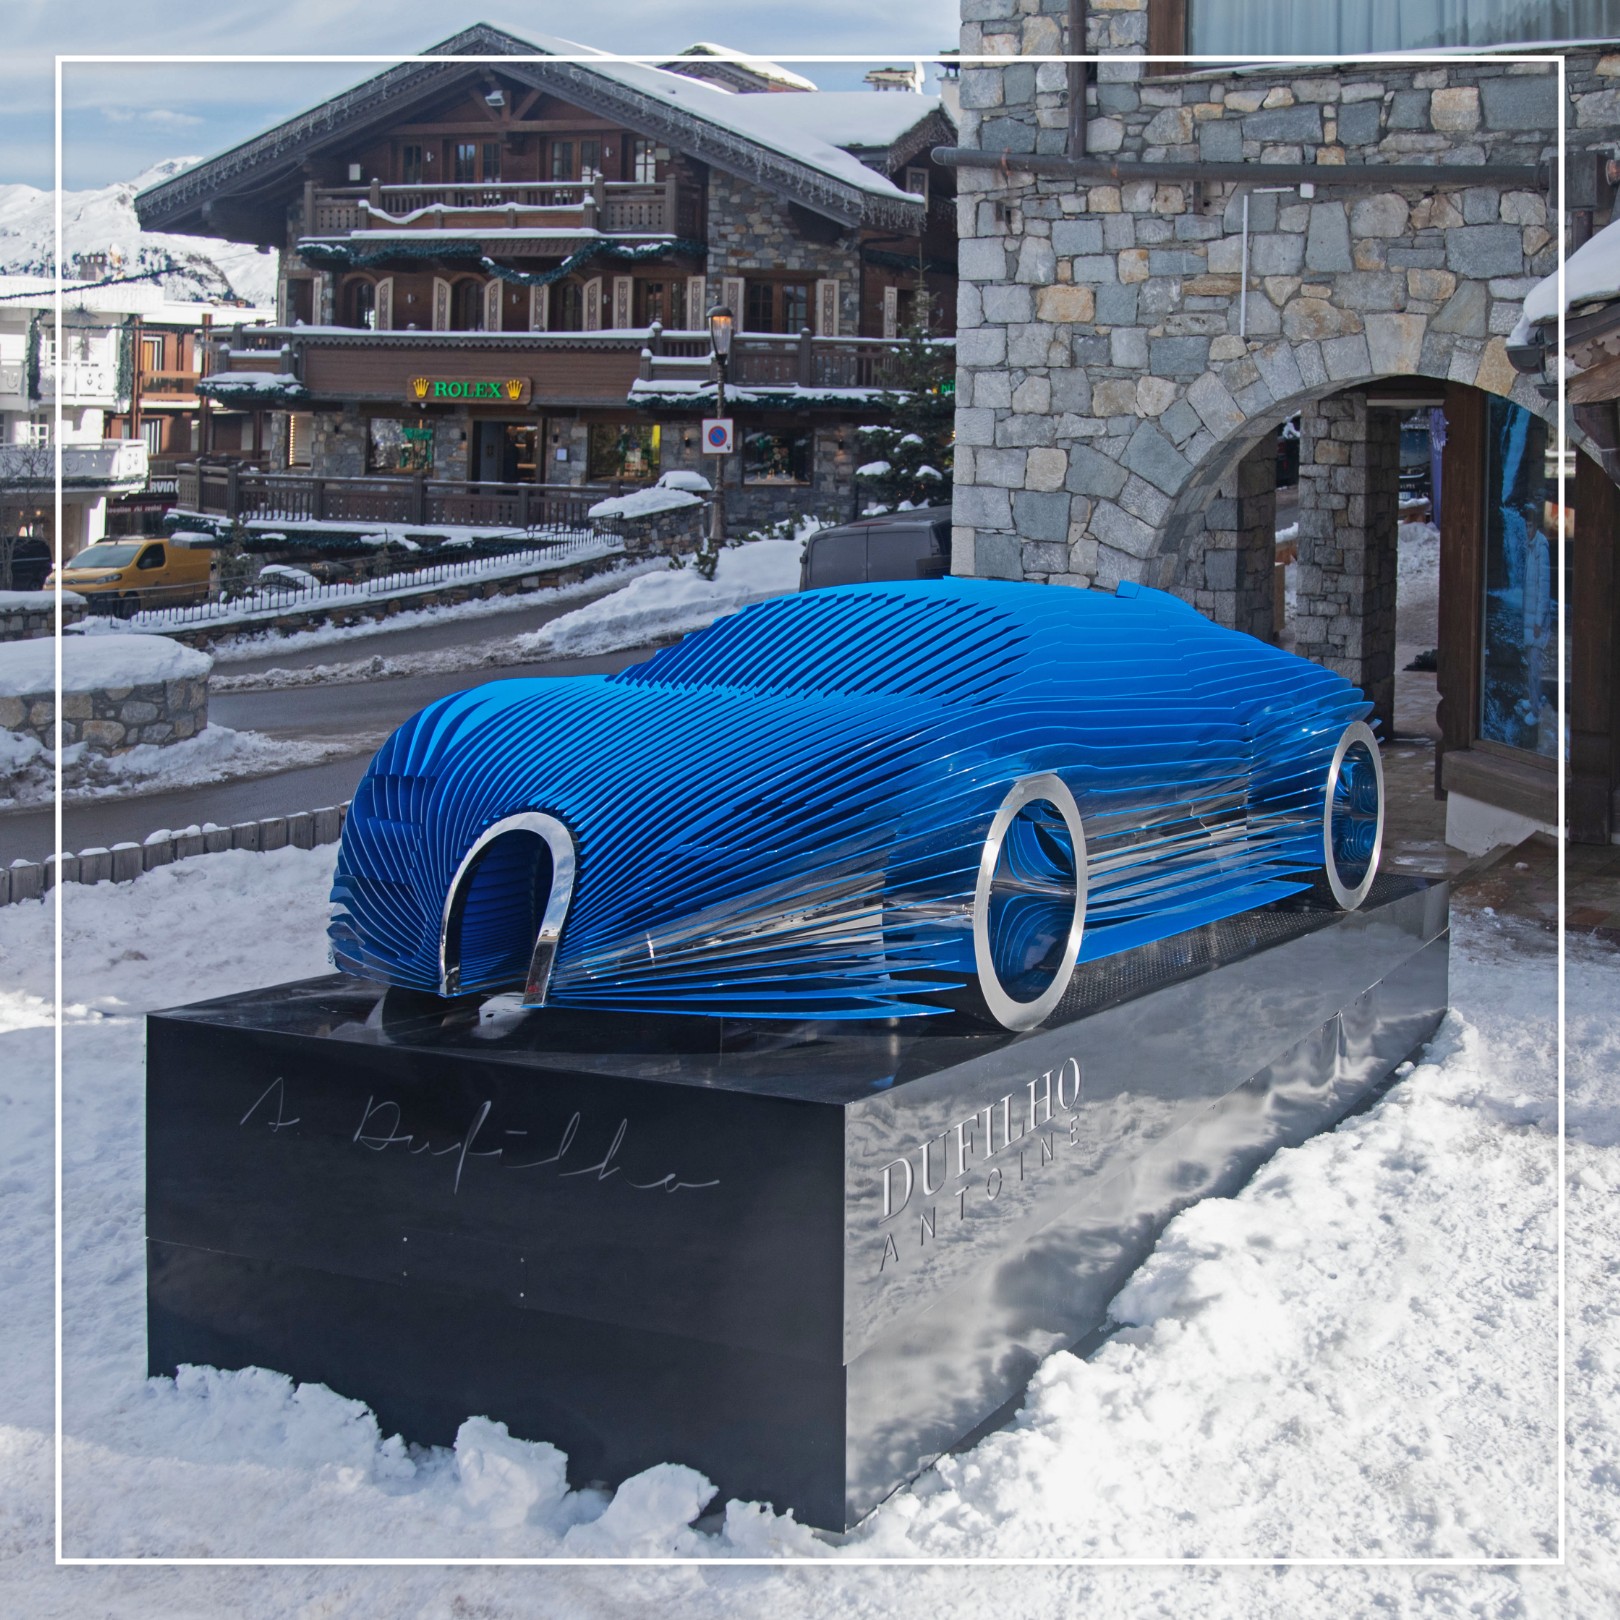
[164,386]
[617,208]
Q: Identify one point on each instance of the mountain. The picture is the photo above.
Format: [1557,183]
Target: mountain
[101,224]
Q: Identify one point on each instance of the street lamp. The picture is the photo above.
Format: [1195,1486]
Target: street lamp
[721,325]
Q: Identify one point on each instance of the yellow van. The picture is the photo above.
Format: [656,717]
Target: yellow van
[124,576]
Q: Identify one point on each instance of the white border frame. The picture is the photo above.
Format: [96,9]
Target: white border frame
[1553,57]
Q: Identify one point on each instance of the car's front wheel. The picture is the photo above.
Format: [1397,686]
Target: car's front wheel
[1029,903]
[1353,816]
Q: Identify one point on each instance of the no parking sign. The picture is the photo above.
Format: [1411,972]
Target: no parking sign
[717,436]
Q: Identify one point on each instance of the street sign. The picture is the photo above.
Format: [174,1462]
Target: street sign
[717,439]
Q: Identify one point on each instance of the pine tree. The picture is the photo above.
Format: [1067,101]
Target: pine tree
[910,443]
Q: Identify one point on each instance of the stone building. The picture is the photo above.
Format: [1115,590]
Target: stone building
[1149,290]
[496,270]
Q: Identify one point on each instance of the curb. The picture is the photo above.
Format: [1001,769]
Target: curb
[123,863]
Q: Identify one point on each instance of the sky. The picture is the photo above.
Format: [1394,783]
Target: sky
[120,118]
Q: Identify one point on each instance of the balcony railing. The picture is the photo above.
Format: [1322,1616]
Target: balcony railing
[618,207]
[169,384]
[113,463]
[234,492]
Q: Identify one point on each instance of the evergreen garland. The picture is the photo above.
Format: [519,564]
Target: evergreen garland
[124,372]
[343,256]
[32,360]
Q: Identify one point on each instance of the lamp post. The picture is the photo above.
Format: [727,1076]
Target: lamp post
[720,330]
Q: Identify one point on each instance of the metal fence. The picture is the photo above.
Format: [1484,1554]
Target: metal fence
[170,607]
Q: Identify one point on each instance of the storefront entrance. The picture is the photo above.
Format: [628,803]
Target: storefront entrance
[505,452]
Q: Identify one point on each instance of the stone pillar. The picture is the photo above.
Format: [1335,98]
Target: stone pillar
[1349,514]
[1226,569]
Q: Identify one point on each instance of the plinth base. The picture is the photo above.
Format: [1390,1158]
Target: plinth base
[803,1258]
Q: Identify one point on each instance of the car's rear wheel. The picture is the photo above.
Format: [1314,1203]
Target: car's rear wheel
[1029,904]
[1353,816]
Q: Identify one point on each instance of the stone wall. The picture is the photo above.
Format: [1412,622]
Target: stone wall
[108,720]
[752,230]
[27,615]
[1112,374]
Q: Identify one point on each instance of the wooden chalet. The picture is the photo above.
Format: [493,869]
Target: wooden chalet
[496,267]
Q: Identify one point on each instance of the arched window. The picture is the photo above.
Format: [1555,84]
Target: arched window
[567,307]
[467,306]
[360,303]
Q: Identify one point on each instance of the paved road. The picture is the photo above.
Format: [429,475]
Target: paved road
[362,710]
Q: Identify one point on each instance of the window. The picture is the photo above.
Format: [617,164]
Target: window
[360,303]
[1284,27]
[467,306]
[776,458]
[776,306]
[492,163]
[152,434]
[153,557]
[300,431]
[1519,662]
[567,307]
[466,162]
[626,450]
[410,163]
[652,302]
[151,355]
[562,160]
[917,181]
[590,159]
[37,429]
[399,447]
[642,164]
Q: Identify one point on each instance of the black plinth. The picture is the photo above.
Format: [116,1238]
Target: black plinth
[803,1258]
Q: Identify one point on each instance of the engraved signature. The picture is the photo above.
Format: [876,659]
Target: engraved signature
[382,1127]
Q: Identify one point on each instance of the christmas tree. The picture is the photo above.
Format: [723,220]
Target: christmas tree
[910,445]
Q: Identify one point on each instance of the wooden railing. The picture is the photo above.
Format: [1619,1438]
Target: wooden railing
[765,360]
[618,207]
[169,384]
[235,492]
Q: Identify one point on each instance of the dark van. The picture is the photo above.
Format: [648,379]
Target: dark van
[897,545]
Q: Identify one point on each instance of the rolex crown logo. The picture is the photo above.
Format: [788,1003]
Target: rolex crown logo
[514,388]
[419,387]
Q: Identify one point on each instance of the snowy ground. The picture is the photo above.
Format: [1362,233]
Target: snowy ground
[215,754]
[1354,1357]
[655,603]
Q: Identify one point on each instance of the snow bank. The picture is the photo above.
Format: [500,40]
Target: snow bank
[35,601]
[88,662]
[644,503]
[670,602]
[1353,1357]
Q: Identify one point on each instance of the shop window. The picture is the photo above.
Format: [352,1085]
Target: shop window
[626,450]
[467,306]
[360,303]
[396,446]
[642,162]
[776,458]
[652,302]
[410,163]
[1518,649]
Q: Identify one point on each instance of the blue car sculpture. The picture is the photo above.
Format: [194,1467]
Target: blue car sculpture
[868,802]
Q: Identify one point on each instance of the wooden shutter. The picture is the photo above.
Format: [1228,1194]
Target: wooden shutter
[494,289]
[891,312]
[441,304]
[385,304]
[826,309]
[539,308]
[622,312]
[697,303]
[731,295]
[593,304]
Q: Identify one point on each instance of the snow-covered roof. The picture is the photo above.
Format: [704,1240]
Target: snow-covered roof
[741,134]
[144,298]
[757,65]
[841,118]
[1591,276]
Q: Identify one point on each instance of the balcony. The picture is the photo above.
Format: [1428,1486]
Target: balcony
[168,387]
[612,207]
[107,465]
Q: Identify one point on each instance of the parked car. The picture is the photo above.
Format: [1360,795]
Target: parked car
[869,801]
[124,576]
[897,545]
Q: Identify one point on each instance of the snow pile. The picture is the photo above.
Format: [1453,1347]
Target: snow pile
[671,602]
[96,662]
[1353,1357]
[682,479]
[35,601]
[1591,275]
[215,754]
[643,503]
[103,221]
